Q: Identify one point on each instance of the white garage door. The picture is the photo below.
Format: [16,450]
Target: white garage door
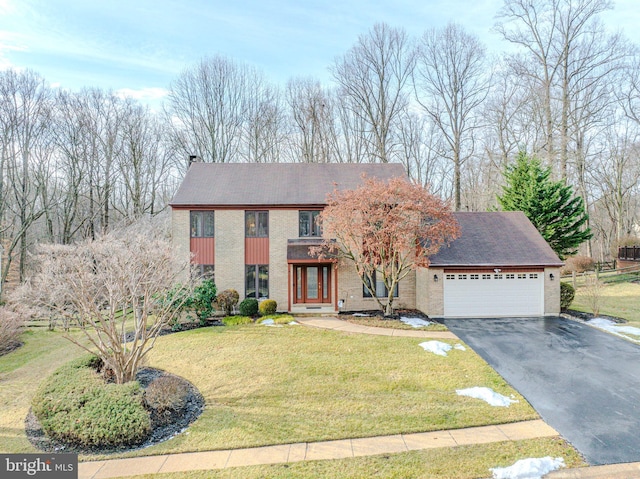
[484,295]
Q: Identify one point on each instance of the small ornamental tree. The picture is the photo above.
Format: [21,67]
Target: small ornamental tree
[386,230]
[551,206]
[119,290]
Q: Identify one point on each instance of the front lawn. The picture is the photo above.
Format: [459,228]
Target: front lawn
[620,299]
[266,385]
[466,462]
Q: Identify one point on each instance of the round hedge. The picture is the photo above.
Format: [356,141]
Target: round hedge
[75,405]
[567,293]
[249,307]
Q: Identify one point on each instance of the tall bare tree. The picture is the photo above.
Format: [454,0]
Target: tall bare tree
[373,77]
[206,107]
[25,106]
[552,35]
[311,111]
[451,82]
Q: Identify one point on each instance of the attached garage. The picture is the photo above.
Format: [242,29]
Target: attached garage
[500,266]
[517,293]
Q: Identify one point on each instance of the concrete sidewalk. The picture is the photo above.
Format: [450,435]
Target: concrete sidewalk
[347,327]
[287,453]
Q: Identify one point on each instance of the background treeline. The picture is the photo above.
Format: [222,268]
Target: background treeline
[566,90]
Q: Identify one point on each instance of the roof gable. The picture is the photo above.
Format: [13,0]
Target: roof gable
[500,238]
[274,184]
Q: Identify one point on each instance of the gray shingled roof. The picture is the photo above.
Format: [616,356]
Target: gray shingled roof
[501,238]
[273,184]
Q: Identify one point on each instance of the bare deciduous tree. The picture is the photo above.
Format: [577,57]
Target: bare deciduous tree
[115,289]
[451,82]
[372,77]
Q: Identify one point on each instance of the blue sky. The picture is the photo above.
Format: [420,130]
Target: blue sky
[140,46]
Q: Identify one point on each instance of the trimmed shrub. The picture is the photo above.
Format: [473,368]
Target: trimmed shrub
[10,329]
[579,264]
[201,301]
[567,293]
[249,307]
[75,405]
[166,393]
[227,300]
[268,306]
[236,320]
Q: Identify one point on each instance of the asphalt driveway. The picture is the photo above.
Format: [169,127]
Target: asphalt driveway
[585,383]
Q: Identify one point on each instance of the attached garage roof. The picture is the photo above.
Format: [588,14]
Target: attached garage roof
[500,238]
[274,184]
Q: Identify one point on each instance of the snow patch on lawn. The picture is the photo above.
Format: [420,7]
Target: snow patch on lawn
[440,348]
[610,326]
[436,347]
[488,395]
[415,322]
[360,315]
[533,468]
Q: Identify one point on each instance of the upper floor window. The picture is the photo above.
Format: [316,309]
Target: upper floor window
[309,223]
[256,224]
[202,224]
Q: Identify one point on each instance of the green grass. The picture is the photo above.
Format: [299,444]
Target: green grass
[283,385]
[620,299]
[466,462]
[393,324]
[21,371]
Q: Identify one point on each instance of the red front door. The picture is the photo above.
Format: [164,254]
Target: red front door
[312,284]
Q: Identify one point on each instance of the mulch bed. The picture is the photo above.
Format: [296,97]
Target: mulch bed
[582,316]
[161,429]
[377,314]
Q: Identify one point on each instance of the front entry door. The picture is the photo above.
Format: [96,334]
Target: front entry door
[312,284]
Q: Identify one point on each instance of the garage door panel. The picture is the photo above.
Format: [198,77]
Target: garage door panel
[517,294]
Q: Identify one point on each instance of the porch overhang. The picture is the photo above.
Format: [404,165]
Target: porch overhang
[299,251]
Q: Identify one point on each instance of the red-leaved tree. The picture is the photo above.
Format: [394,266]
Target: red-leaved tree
[386,230]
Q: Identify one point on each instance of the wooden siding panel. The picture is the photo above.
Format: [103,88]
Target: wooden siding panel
[203,250]
[256,250]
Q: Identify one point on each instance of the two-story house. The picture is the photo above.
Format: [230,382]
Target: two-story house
[250,226]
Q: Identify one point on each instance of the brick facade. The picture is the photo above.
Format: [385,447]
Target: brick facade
[230,270]
[350,291]
[283,225]
[180,235]
[551,291]
[430,293]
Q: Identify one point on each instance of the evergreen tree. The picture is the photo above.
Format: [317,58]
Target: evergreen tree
[559,216]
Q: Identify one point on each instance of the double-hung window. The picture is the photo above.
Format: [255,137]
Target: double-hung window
[256,224]
[202,224]
[308,224]
[257,281]
[380,289]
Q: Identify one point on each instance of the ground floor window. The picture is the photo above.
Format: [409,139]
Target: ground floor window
[205,271]
[380,289]
[257,281]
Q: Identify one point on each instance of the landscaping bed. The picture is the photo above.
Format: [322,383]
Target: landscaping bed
[400,320]
[87,414]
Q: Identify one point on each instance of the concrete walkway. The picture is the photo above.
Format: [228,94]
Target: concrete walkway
[287,453]
[347,327]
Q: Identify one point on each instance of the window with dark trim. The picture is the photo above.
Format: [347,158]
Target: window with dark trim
[205,271]
[256,224]
[308,223]
[257,281]
[381,289]
[202,224]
